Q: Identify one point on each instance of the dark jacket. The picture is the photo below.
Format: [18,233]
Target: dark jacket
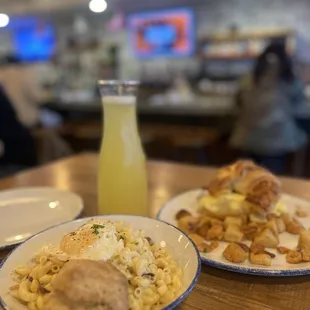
[19,146]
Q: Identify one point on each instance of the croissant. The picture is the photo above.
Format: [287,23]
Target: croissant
[260,187]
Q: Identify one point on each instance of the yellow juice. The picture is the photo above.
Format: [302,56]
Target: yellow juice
[122,186]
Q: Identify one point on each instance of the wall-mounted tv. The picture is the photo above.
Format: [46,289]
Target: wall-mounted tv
[167,33]
[33,39]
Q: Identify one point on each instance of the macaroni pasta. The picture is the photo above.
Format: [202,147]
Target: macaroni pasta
[153,275]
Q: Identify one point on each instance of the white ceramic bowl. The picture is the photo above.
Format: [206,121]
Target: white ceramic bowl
[178,244]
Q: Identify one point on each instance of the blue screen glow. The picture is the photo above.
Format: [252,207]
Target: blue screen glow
[33,40]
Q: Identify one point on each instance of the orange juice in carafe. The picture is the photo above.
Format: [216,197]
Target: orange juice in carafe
[122,180]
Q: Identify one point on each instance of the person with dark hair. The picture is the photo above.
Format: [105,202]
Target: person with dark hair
[266,130]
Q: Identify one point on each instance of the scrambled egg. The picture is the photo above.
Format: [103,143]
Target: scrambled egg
[232,205]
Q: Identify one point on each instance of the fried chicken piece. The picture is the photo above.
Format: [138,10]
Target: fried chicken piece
[260,259]
[86,284]
[216,232]
[235,253]
[233,234]
[305,255]
[294,227]
[182,213]
[231,220]
[294,257]
[304,240]
[301,213]
[267,238]
[282,250]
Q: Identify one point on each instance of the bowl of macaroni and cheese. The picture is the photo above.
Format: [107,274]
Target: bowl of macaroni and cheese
[159,264]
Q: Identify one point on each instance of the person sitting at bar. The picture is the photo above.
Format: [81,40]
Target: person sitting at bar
[17,146]
[265,129]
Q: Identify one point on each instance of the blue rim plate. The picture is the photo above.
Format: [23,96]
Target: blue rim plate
[79,222]
[188,201]
[47,206]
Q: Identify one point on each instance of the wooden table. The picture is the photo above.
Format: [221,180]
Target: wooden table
[216,289]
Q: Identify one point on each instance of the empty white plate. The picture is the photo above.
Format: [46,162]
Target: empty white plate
[26,211]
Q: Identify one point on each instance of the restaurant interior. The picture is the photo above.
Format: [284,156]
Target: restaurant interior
[189,56]
[215,93]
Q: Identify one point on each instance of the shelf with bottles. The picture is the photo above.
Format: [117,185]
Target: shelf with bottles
[236,45]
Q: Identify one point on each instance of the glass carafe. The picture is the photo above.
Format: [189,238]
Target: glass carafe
[122,180]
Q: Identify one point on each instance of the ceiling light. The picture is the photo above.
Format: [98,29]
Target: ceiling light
[4,20]
[98,6]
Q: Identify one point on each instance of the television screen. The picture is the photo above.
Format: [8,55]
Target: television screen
[33,39]
[168,33]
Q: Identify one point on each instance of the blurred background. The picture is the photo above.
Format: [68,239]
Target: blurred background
[192,58]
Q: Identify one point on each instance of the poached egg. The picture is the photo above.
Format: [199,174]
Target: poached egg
[97,240]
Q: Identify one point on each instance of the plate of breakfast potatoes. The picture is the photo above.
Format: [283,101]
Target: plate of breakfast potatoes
[242,222]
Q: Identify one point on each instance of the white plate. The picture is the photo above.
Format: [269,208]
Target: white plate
[280,267]
[178,244]
[26,211]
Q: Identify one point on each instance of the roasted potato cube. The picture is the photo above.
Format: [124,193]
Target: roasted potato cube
[207,248]
[233,234]
[203,226]
[250,231]
[188,224]
[235,254]
[182,213]
[243,246]
[271,216]
[260,259]
[257,248]
[272,225]
[282,250]
[293,257]
[304,240]
[203,230]
[214,245]
[286,218]
[216,232]
[305,255]
[301,213]
[198,240]
[280,225]
[267,238]
[214,221]
[203,220]
[294,227]
[231,220]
